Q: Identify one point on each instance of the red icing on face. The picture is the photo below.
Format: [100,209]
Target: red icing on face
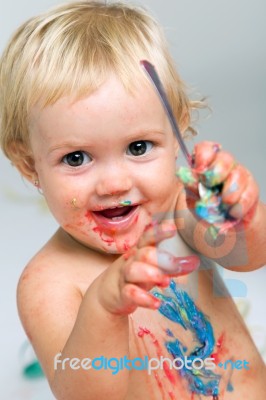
[130,253]
[101,233]
[110,234]
[136,219]
[88,215]
[126,245]
[152,224]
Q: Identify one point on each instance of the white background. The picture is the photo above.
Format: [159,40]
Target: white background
[219,47]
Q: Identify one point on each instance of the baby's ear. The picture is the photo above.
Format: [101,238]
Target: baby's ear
[22,159]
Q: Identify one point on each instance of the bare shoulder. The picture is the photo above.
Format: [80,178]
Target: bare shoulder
[49,294]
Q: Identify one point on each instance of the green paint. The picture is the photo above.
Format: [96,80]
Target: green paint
[213,231]
[125,203]
[212,177]
[185,175]
[33,370]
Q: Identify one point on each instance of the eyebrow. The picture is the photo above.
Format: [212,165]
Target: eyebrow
[146,132]
[66,145]
[130,137]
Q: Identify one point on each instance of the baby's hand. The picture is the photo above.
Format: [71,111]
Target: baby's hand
[236,191]
[126,283]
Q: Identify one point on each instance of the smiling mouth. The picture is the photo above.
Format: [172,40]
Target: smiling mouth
[115,214]
[118,218]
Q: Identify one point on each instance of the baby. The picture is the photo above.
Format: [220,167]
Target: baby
[114,304]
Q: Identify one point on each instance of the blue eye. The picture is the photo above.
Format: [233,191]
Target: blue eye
[76,159]
[139,148]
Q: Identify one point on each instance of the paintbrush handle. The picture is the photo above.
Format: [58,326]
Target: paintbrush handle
[153,76]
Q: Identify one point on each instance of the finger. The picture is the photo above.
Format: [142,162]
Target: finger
[143,273]
[156,232]
[235,184]
[247,200]
[204,153]
[218,171]
[176,266]
[134,295]
[167,262]
[153,234]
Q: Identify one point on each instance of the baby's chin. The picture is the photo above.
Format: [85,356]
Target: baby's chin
[108,244]
[112,249]
[117,249]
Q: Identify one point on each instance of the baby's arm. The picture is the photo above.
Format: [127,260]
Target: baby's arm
[241,195]
[58,320]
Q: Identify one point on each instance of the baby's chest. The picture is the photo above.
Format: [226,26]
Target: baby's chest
[175,351]
[148,378]
[171,349]
[157,347]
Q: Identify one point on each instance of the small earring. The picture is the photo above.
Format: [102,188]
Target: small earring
[37,185]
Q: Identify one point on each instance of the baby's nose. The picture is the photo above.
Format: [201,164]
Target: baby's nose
[113,181]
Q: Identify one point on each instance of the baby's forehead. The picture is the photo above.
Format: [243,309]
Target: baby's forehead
[111,87]
[111,108]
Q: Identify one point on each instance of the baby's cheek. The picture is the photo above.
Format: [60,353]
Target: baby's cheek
[87,234]
[72,217]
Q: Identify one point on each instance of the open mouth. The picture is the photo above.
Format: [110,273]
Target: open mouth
[117,217]
[115,214]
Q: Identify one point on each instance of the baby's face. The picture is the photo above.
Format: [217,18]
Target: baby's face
[95,154]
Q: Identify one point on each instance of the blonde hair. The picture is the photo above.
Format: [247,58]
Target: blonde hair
[70,51]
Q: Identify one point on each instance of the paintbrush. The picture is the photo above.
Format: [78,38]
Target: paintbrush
[154,78]
[210,206]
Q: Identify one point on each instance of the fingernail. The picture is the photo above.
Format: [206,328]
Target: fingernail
[155,303]
[189,263]
[178,265]
[216,147]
